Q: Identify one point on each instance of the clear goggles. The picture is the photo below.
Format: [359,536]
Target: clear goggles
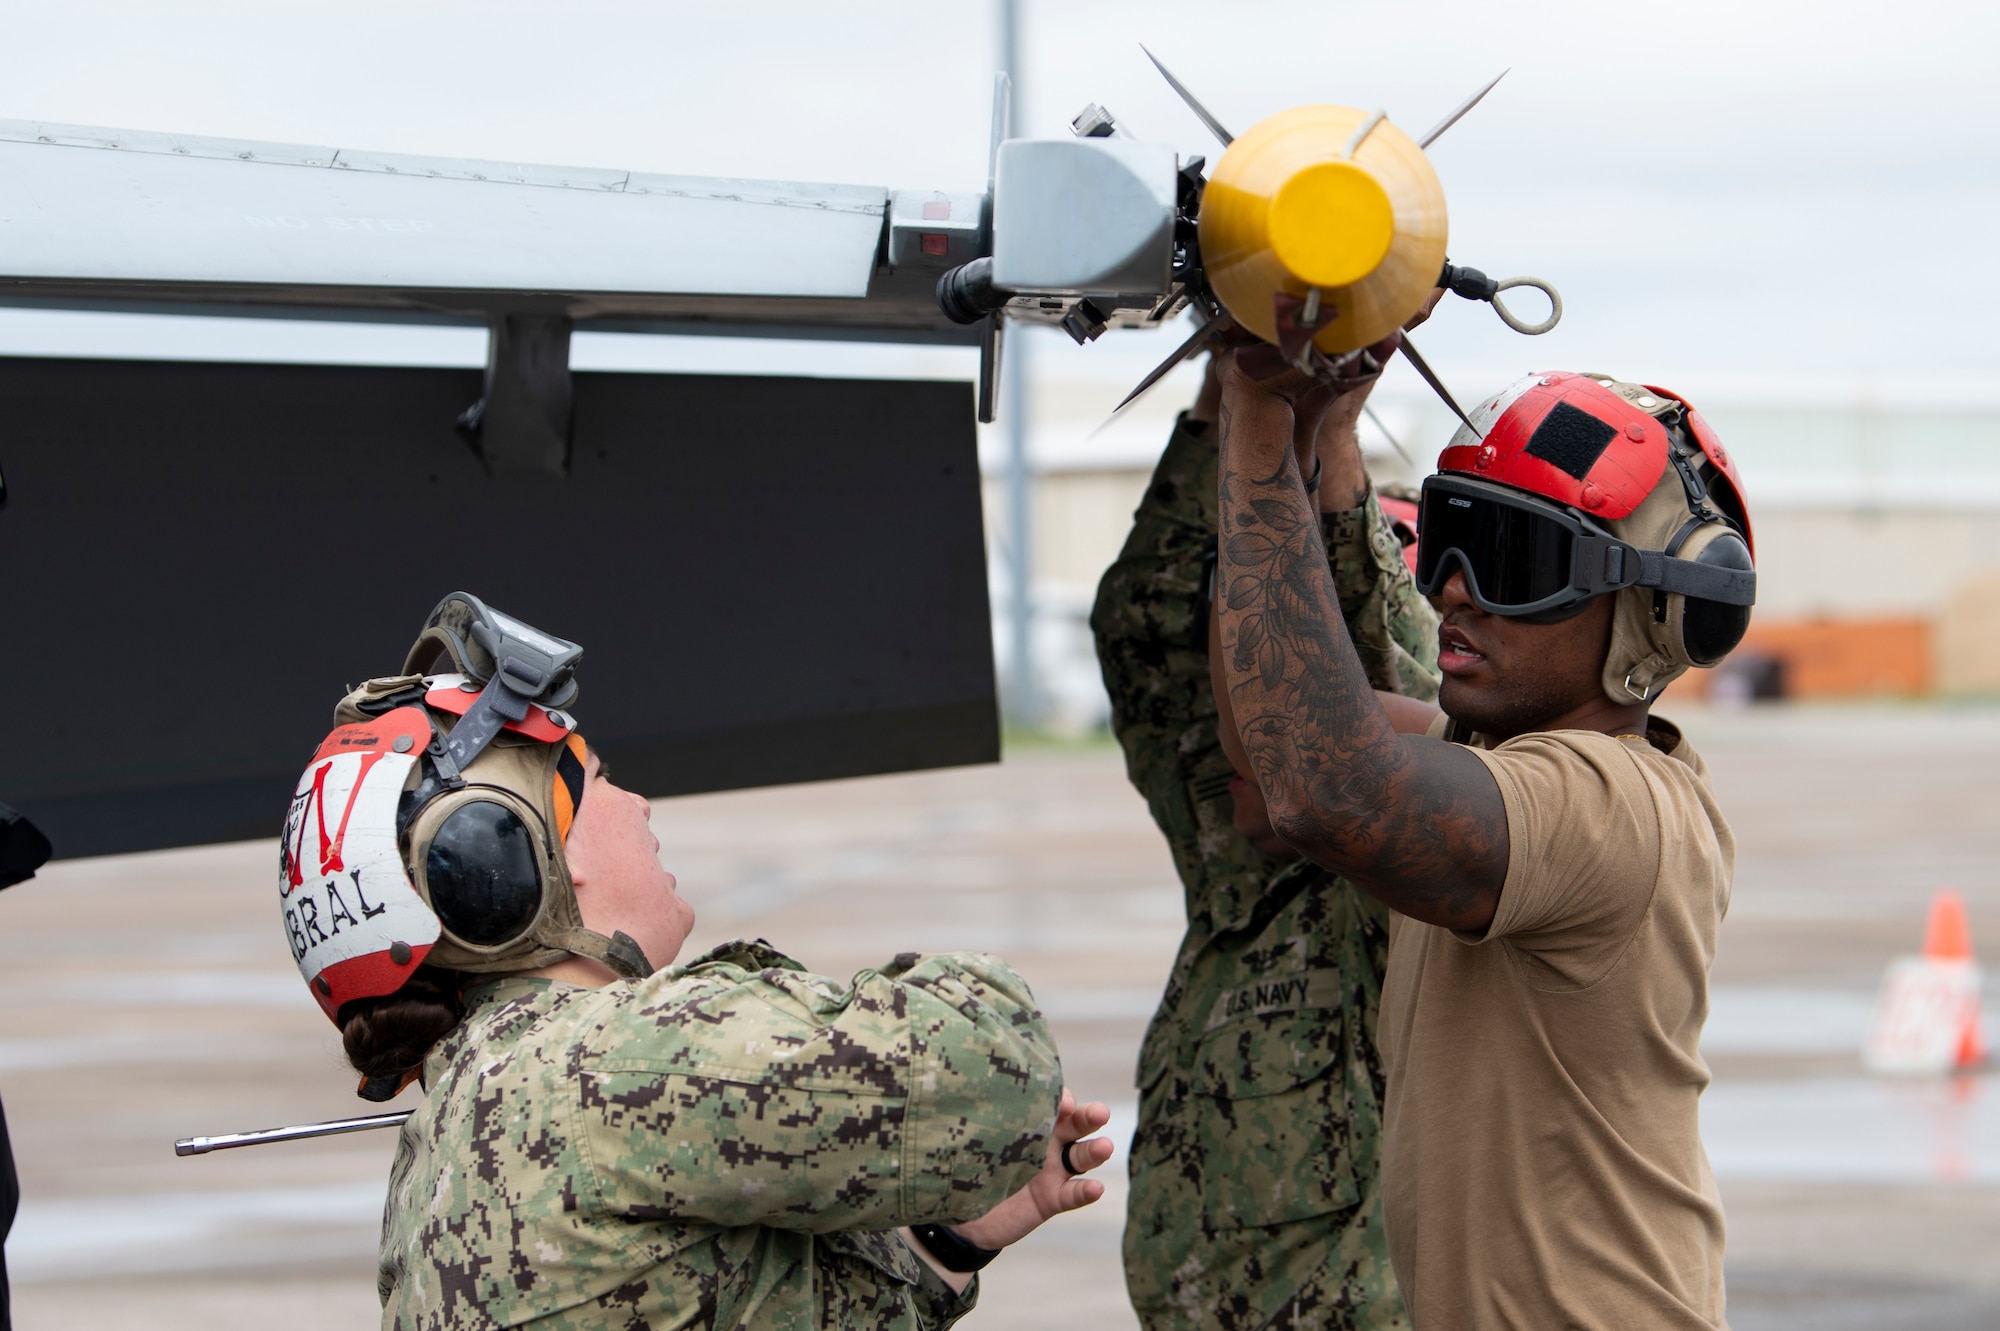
[1523,557]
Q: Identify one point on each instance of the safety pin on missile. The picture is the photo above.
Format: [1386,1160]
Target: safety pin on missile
[300,1132]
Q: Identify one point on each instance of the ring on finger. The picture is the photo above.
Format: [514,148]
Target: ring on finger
[1068,1168]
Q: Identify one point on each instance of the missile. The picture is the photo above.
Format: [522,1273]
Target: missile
[1320,229]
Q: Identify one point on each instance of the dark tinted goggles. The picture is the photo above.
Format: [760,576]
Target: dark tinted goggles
[1523,557]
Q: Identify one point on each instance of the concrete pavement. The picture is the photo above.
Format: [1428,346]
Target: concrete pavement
[150,997]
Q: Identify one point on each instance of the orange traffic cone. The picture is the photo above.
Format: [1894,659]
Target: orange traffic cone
[1947,935]
[1927,1019]
[1948,938]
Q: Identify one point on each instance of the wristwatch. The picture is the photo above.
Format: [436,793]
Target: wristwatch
[953,1252]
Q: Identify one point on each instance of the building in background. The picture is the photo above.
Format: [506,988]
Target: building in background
[1878,541]
[1877,528]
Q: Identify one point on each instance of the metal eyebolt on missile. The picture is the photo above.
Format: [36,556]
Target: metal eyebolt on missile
[1475,285]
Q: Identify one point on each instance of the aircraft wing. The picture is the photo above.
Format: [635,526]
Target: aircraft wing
[777,579]
[137,220]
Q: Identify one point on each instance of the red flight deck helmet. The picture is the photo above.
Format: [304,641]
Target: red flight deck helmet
[430,826]
[1566,487]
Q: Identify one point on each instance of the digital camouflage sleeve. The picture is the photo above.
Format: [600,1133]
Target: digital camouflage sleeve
[1255,1164]
[730,1143]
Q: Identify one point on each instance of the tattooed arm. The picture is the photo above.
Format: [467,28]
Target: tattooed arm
[1416,822]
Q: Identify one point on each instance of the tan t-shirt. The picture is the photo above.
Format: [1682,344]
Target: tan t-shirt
[1542,1161]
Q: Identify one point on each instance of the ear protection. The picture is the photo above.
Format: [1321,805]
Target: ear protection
[1695,512]
[1697,631]
[487,861]
[482,871]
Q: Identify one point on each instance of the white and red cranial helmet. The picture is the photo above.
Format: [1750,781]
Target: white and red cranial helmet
[429,825]
[1568,486]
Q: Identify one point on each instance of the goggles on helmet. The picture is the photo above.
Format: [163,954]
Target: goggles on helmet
[514,669]
[1527,558]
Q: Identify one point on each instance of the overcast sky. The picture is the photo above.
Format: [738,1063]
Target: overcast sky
[1748,199]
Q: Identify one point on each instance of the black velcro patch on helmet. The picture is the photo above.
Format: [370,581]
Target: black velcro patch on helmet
[1571,439]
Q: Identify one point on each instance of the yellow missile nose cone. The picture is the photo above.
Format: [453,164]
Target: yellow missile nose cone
[1302,202]
[1318,250]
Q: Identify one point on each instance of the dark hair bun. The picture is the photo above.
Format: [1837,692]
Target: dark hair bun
[389,1036]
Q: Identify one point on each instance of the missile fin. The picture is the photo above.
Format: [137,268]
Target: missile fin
[1435,130]
[1160,371]
[1201,112]
[1401,452]
[1422,367]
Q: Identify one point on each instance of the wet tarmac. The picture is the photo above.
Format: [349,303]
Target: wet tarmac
[150,997]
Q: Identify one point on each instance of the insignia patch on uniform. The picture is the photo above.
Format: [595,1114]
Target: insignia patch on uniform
[1281,993]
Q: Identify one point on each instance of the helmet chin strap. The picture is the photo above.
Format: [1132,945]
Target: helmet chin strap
[620,952]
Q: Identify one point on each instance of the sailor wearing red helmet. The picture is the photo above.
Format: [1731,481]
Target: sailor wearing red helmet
[1553,853]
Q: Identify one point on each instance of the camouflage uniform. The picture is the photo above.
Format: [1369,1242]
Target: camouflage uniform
[1255,1165]
[730,1143]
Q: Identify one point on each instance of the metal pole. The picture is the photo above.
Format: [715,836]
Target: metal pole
[1022,691]
[230,1140]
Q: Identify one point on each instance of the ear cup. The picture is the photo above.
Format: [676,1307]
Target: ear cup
[484,878]
[1710,630]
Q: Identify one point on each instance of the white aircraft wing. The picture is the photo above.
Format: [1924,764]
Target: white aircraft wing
[142,220]
[233,511]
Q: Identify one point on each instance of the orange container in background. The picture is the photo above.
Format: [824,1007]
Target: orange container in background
[1835,658]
